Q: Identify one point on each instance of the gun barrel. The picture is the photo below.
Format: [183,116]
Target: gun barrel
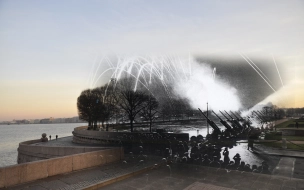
[217,115]
[228,114]
[238,113]
[203,113]
[235,115]
[235,121]
[224,115]
[210,122]
[222,121]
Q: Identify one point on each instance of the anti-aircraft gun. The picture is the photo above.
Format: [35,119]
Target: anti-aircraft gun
[238,114]
[235,121]
[238,118]
[245,123]
[244,119]
[233,125]
[224,115]
[216,129]
[228,127]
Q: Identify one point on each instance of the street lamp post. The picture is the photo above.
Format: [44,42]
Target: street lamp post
[207,120]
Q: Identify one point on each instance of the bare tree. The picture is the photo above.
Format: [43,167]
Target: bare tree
[108,103]
[130,101]
[150,110]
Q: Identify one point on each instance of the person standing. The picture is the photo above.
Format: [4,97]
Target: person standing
[226,156]
[50,137]
[237,159]
[56,137]
[297,125]
[250,143]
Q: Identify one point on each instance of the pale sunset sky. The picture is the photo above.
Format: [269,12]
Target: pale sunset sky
[47,48]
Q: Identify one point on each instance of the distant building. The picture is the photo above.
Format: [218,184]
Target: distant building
[6,122]
[59,120]
[45,121]
[23,121]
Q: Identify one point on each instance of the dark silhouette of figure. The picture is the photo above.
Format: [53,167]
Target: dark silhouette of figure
[241,166]
[297,125]
[226,156]
[231,166]
[237,159]
[56,137]
[50,137]
[180,148]
[250,143]
[247,168]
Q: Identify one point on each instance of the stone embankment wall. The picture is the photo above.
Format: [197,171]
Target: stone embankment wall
[22,173]
[81,135]
[28,152]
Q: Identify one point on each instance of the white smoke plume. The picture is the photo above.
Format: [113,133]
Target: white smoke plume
[202,87]
[190,80]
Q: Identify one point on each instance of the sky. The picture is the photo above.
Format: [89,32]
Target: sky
[47,48]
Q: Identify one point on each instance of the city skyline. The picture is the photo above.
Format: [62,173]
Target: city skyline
[47,49]
[37,120]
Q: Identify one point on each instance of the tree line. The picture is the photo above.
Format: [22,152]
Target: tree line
[119,99]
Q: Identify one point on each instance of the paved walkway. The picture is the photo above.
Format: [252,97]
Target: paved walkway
[84,178]
[285,167]
[185,177]
[162,176]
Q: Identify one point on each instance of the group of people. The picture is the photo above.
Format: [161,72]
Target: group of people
[196,151]
[211,156]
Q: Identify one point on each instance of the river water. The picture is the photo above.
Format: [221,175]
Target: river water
[12,135]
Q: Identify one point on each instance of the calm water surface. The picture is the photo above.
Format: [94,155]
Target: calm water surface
[12,135]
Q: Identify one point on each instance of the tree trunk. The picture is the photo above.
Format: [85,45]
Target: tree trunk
[102,125]
[95,125]
[90,124]
[131,124]
[150,125]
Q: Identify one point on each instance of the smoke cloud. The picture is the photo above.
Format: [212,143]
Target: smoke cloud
[203,86]
[189,79]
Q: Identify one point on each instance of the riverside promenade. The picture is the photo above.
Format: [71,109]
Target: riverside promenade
[151,172]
